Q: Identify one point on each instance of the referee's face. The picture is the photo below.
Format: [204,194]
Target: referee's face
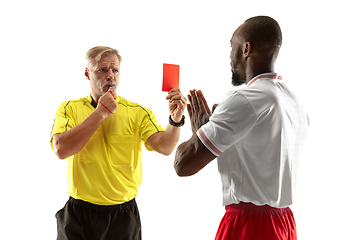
[103,75]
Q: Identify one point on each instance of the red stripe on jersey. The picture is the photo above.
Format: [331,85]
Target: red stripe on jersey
[272,76]
[208,143]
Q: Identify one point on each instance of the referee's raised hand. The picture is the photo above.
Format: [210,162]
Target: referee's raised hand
[107,104]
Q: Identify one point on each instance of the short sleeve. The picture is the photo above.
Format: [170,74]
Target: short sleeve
[64,119]
[148,125]
[231,122]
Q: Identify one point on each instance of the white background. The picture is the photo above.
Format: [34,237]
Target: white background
[43,44]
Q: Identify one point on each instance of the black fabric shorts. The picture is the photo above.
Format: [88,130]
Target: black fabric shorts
[80,220]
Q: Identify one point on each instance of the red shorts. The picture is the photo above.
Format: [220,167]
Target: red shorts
[246,221]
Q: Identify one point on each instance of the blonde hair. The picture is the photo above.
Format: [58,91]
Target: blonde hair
[94,54]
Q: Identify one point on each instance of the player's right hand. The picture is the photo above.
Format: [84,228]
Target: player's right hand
[107,104]
[198,109]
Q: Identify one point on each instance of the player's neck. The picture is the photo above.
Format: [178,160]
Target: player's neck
[259,70]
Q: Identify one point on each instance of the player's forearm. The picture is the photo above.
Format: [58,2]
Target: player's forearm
[191,156]
[72,141]
[183,158]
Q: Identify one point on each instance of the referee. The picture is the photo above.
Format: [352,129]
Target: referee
[101,137]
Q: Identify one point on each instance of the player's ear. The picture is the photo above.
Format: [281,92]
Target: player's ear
[246,49]
[87,73]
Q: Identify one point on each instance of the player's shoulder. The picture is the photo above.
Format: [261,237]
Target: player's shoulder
[236,94]
[258,91]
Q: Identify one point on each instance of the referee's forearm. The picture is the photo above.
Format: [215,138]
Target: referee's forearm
[169,139]
[72,141]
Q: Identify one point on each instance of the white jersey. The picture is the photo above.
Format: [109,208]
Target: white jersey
[257,133]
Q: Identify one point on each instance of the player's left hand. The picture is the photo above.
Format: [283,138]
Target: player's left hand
[177,104]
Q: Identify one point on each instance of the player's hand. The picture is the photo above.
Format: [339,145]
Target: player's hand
[213,107]
[198,109]
[107,104]
[177,104]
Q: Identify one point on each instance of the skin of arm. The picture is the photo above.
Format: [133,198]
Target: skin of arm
[191,156]
[72,141]
[165,142]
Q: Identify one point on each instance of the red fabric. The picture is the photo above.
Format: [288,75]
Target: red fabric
[246,221]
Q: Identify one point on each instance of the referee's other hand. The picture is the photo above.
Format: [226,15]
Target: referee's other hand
[107,104]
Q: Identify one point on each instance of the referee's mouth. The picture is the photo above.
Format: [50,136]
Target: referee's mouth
[108,86]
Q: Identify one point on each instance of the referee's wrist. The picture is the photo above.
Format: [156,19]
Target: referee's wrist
[175,124]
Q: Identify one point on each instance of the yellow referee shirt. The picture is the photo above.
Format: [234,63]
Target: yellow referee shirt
[108,170]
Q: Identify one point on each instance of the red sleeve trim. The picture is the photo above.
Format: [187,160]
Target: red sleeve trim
[208,143]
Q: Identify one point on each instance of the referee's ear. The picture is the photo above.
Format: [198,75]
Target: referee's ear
[87,73]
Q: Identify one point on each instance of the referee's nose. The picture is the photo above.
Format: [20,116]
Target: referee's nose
[110,76]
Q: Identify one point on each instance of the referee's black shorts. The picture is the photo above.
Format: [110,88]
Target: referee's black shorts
[82,220]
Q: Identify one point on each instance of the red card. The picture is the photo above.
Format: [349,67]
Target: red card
[170,77]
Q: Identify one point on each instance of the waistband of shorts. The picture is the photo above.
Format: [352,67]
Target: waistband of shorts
[252,207]
[103,207]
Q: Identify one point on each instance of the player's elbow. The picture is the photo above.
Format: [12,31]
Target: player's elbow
[181,167]
[183,171]
[179,171]
[182,161]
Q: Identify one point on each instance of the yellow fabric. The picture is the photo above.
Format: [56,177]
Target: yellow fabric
[108,170]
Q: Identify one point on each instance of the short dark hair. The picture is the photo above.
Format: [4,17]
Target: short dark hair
[262,32]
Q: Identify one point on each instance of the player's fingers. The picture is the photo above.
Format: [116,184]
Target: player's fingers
[213,107]
[194,101]
[189,110]
[202,102]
